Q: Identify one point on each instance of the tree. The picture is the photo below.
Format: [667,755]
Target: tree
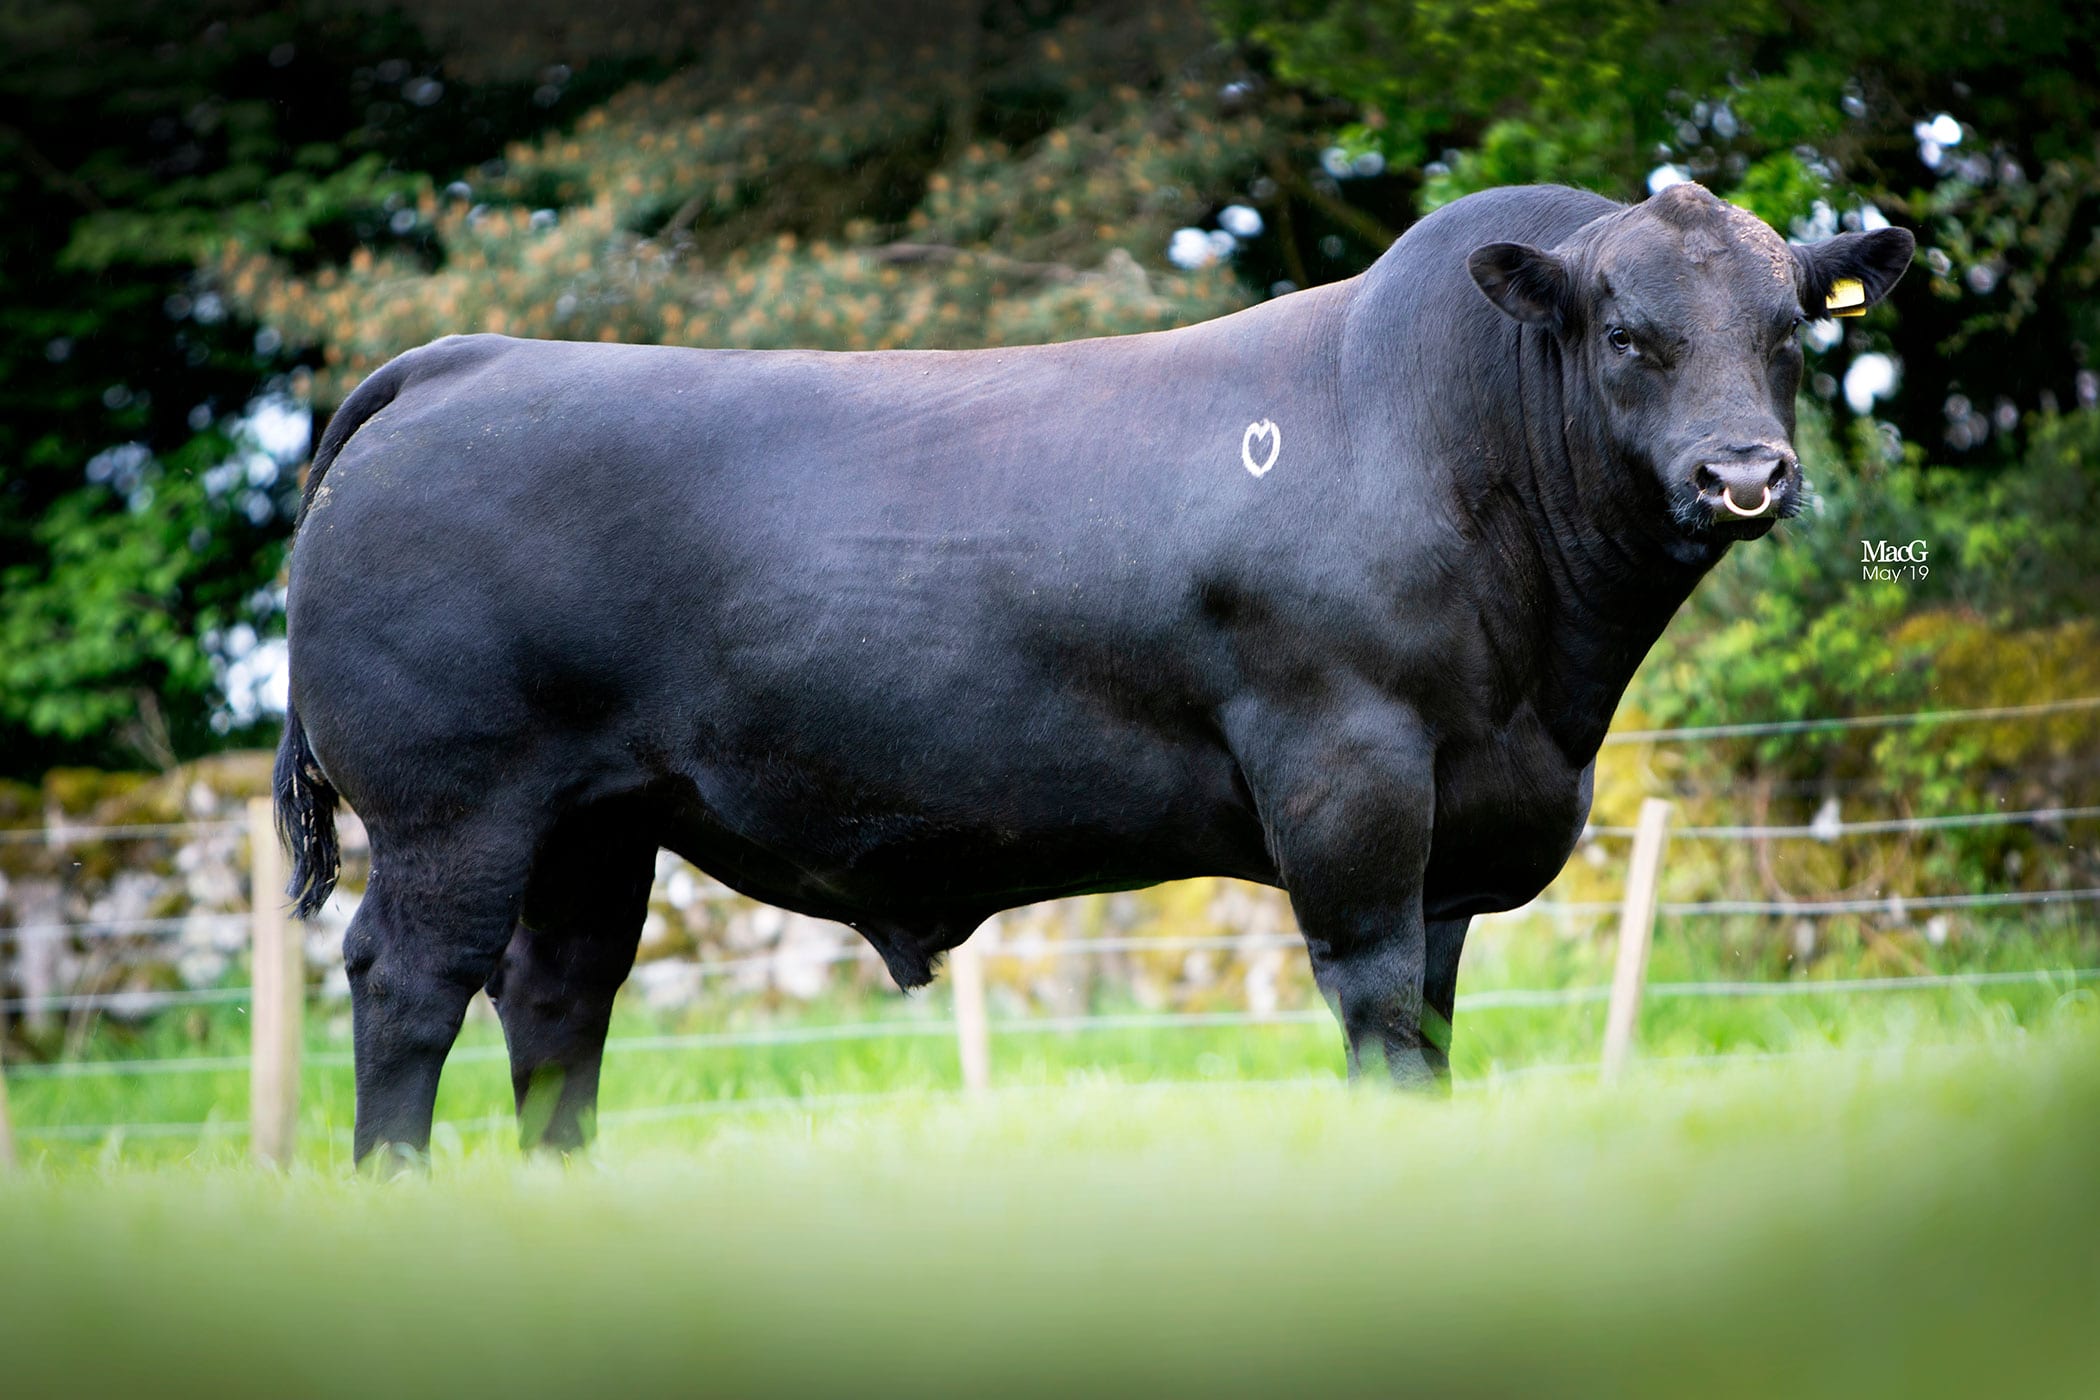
[830,177]
[138,532]
[1975,124]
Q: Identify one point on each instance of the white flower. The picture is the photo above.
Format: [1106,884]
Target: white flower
[1191,248]
[1872,376]
[1240,221]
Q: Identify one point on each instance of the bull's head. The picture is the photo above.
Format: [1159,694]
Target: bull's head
[1678,320]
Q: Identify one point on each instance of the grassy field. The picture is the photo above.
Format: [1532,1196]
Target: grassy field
[1859,1193]
[1838,1224]
[650,1083]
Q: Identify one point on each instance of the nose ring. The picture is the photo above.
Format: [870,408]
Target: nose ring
[1728,499]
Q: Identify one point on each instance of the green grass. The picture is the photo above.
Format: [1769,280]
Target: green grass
[689,1083]
[1867,1193]
[1898,1223]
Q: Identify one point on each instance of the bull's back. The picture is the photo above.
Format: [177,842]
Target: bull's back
[528,470]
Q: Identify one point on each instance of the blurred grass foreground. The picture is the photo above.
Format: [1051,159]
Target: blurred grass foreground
[1901,1223]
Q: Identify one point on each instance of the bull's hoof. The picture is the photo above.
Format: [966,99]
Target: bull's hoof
[388,1161]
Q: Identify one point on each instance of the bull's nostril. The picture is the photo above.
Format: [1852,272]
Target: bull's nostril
[1779,471]
[1707,480]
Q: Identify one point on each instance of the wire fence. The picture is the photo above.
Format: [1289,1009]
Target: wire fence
[1758,729]
[62,834]
[1499,999]
[1835,829]
[829,1103]
[141,1001]
[135,1002]
[826,1103]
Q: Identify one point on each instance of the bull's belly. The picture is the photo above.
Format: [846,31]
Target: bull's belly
[988,833]
[956,877]
[972,826]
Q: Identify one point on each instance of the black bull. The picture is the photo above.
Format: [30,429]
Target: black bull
[1336,594]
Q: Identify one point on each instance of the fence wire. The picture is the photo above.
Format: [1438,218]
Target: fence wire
[1507,998]
[62,835]
[138,1002]
[1833,830]
[1496,1077]
[1762,728]
[143,1001]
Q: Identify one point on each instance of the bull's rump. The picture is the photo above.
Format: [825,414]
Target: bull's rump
[863,605]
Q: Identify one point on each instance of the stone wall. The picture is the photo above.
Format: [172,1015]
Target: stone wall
[128,918]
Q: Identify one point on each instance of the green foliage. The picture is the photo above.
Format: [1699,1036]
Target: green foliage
[1430,73]
[1779,186]
[103,635]
[948,187]
[1800,627]
[1785,109]
[1517,152]
[137,138]
[1791,629]
[285,210]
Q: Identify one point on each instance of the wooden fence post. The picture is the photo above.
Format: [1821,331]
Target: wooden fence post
[7,1132]
[277,1006]
[1636,932]
[973,1032]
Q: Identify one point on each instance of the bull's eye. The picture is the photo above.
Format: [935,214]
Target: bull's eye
[1620,340]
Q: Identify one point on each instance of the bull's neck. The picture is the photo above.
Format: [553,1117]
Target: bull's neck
[1588,568]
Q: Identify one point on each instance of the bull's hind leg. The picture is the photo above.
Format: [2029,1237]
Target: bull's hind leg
[1446,943]
[433,922]
[573,946]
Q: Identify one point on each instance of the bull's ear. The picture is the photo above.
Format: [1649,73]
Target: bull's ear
[1845,275]
[1527,283]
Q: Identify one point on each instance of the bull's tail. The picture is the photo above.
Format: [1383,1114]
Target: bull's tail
[305,819]
[305,799]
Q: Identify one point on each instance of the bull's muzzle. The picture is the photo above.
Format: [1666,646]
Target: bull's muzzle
[1747,488]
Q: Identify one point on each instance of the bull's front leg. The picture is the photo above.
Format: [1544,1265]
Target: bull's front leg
[1369,957]
[1347,802]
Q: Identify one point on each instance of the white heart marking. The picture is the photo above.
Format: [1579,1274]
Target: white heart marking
[1262,429]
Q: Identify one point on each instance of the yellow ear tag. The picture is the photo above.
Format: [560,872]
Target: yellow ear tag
[1847,298]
